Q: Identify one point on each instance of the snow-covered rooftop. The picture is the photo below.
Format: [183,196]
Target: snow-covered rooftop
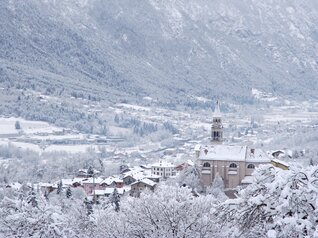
[223,152]
[97,180]
[164,164]
[233,153]
[146,181]
[257,155]
[111,190]
[197,147]
[135,175]
[280,162]
[108,191]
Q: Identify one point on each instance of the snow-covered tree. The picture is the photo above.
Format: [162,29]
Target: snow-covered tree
[90,171]
[217,189]
[89,206]
[114,199]
[68,192]
[17,125]
[20,218]
[281,203]
[190,177]
[59,187]
[170,211]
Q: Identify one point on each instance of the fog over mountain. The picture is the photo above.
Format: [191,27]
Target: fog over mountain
[168,50]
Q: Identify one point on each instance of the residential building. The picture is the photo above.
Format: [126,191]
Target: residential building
[163,169]
[138,186]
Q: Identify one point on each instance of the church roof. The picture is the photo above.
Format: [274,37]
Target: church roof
[257,155]
[233,153]
[217,112]
[223,152]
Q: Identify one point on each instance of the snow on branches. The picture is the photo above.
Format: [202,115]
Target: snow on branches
[283,203]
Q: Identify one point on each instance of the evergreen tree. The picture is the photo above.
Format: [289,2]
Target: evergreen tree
[32,198]
[90,171]
[46,195]
[89,207]
[68,192]
[17,125]
[115,200]
[59,187]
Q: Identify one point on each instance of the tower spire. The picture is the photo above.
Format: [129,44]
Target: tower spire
[217,127]
[217,112]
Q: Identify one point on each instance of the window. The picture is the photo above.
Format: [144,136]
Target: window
[233,166]
[251,166]
[206,164]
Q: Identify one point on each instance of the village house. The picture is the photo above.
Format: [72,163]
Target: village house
[112,181]
[47,187]
[108,191]
[91,184]
[84,173]
[131,178]
[163,169]
[183,166]
[233,163]
[138,186]
[153,177]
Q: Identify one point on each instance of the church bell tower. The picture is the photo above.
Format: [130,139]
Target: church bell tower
[217,127]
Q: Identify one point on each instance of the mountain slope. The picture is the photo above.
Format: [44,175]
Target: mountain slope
[168,50]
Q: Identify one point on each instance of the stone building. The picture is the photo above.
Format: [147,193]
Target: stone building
[233,163]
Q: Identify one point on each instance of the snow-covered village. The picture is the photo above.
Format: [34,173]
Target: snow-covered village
[151,119]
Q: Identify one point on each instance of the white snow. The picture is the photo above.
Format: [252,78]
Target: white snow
[223,152]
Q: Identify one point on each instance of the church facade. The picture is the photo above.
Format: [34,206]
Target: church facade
[233,163]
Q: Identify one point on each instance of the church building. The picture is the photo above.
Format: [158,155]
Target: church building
[234,163]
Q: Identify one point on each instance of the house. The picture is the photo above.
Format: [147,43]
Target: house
[119,183]
[138,186]
[92,184]
[233,163]
[277,153]
[112,181]
[280,164]
[75,182]
[108,191]
[164,169]
[83,173]
[129,179]
[153,177]
[182,166]
[47,187]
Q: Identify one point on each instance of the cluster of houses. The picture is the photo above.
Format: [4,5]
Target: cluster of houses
[131,180]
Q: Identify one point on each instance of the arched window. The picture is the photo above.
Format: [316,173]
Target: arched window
[251,166]
[233,166]
[206,164]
